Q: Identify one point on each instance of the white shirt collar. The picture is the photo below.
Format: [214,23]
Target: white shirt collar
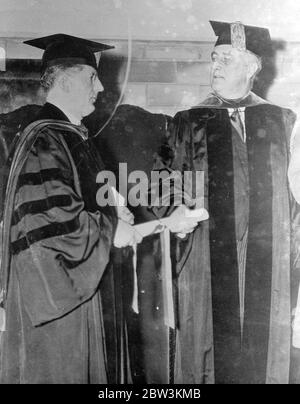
[231,110]
[71,117]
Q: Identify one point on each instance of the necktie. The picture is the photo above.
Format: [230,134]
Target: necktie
[237,123]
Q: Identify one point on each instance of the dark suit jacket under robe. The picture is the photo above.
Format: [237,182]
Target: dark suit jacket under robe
[59,248]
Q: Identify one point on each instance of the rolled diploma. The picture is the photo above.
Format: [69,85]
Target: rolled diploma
[157,226]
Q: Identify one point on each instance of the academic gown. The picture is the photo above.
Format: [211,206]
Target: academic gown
[57,248]
[246,191]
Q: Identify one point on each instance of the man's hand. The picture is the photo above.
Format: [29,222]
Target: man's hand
[125,214]
[126,235]
[179,222]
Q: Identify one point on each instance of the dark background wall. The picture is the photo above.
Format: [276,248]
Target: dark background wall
[163,76]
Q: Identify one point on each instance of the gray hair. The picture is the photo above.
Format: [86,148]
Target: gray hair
[52,73]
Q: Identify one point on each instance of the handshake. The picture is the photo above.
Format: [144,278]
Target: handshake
[180,222]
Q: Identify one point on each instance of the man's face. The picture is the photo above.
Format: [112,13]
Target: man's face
[84,86]
[230,76]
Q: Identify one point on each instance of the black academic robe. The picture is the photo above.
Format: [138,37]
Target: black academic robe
[56,248]
[258,351]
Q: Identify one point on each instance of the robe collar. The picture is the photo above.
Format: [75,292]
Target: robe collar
[51,111]
[214,101]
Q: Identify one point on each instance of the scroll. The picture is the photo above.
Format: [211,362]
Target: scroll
[157,226]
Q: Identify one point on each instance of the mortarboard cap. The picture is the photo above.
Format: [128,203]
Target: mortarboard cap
[255,39]
[62,48]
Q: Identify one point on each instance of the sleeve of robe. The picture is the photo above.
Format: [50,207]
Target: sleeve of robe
[59,249]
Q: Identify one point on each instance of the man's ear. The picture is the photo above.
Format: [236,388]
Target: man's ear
[253,66]
[252,69]
[64,83]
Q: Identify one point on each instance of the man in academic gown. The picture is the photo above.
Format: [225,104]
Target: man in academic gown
[56,240]
[238,264]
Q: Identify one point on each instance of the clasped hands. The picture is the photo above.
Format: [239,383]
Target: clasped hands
[126,234]
[180,223]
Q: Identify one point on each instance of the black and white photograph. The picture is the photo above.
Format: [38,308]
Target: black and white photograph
[149,194]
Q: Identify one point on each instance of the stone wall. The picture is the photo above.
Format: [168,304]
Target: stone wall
[161,76]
